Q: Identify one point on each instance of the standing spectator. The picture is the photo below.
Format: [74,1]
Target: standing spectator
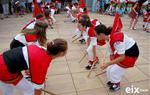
[120,10]
[97,6]
[134,14]
[48,1]
[23,6]
[75,1]
[146,26]
[17,9]
[130,4]
[29,4]
[5,5]
[94,5]
[102,3]
[58,5]
[10,5]
[107,4]
[39,2]
[1,11]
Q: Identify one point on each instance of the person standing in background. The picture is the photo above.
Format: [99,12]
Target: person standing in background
[134,15]
[107,4]
[94,6]
[29,4]
[5,5]
[1,11]
[10,6]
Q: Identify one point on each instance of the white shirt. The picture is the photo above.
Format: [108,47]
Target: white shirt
[93,39]
[21,38]
[121,47]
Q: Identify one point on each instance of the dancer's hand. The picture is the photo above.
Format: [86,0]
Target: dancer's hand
[112,57]
[104,66]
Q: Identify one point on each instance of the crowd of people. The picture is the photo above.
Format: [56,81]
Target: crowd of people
[30,51]
[108,7]
[21,7]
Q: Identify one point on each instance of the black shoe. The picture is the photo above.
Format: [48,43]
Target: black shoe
[114,87]
[88,67]
[52,27]
[82,41]
[73,21]
[28,78]
[109,84]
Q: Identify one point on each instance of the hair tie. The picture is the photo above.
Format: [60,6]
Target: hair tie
[52,42]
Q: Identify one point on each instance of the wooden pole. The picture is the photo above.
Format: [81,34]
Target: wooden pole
[103,72]
[48,92]
[91,68]
[103,61]
[74,36]
[82,57]
[75,39]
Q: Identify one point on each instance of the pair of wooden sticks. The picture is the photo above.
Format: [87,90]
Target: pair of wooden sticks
[93,65]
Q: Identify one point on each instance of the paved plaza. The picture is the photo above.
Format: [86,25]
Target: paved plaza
[66,76]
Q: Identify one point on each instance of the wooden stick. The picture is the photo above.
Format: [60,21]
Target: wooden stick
[74,36]
[75,39]
[103,61]
[82,57]
[91,68]
[48,92]
[103,72]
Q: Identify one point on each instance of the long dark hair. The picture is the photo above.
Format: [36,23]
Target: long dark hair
[47,13]
[40,28]
[85,21]
[103,29]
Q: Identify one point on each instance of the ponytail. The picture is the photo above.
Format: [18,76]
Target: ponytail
[103,29]
[108,31]
[85,21]
[56,46]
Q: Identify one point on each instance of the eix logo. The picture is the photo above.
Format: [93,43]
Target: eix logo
[134,90]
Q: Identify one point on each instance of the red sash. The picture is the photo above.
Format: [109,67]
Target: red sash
[31,37]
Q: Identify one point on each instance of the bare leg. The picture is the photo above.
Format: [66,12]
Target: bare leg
[131,22]
[135,22]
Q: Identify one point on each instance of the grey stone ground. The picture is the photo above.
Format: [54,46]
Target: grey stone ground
[66,76]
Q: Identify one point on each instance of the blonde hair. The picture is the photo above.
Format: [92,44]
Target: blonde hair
[40,30]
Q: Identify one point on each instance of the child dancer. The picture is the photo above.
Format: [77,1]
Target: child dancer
[85,24]
[18,8]
[35,58]
[31,24]
[48,18]
[30,36]
[35,36]
[83,34]
[123,54]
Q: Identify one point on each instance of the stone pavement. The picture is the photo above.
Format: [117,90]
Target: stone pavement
[68,77]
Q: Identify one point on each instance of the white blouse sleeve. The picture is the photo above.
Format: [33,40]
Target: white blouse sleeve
[93,41]
[119,47]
